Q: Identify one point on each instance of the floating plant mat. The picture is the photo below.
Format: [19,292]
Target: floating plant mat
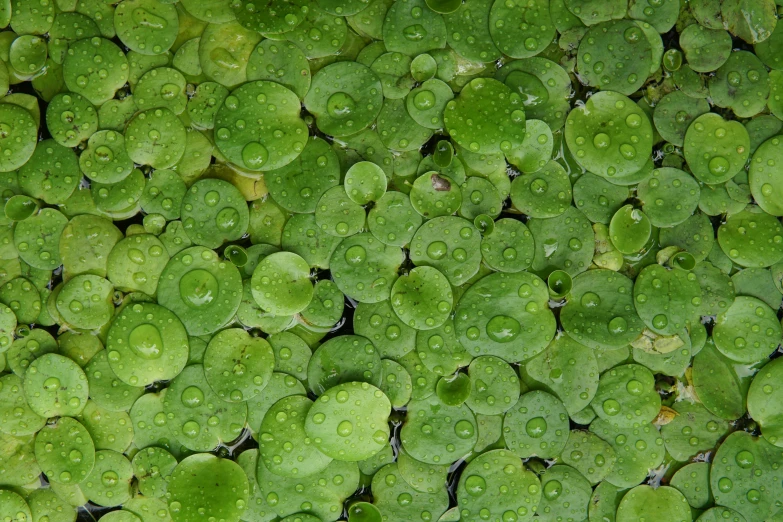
[391,260]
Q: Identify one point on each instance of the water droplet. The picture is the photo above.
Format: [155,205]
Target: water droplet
[355,255]
[628,151]
[191,429]
[745,459]
[553,489]
[227,219]
[660,321]
[632,34]
[146,342]
[503,329]
[536,427]
[198,288]
[254,155]
[340,105]
[634,387]
[109,478]
[103,154]
[590,300]
[475,485]
[192,397]
[538,186]
[345,428]
[405,499]
[415,32]
[436,250]
[424,100]
[169,91]
[136,256]
[718,165]
[464,429]
[601,140]
[633,120]
[611,407]
[618,325]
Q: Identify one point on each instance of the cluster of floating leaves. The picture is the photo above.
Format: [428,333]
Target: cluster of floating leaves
[391,260]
